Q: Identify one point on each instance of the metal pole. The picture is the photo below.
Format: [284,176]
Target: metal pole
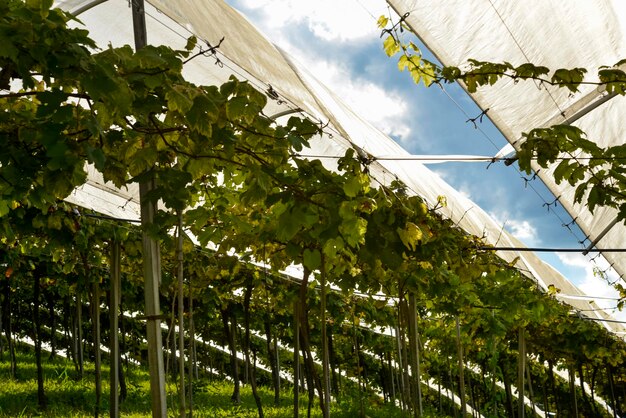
[521,366]
[401,383]
[151,261]
[325,366]
[181,312]
[296,359]
[572,389]
[152,275]
[459,348]
[415,357]
[114,305]
[139,24]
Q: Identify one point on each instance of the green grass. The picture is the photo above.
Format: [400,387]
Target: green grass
[69,396]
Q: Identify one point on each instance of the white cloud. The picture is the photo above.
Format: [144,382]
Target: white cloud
[519,228]
[386,110]
[574,260]
[522,230]
[330,20]
[593,284]
[464,188]
[345,21]
[465,192]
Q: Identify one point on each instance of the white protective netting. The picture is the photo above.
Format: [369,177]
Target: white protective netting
[586,34]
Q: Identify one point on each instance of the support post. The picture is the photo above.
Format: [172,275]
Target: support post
[572,388]
[521,366]
[461,369]
[325,366]
[114,303]
[401,381]
[95,320]
[152,275]
[613,403]
[296,359]
[181,317]
[151,260]
[531,396]
[415,358]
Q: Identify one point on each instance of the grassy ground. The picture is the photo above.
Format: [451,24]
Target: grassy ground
[69,396]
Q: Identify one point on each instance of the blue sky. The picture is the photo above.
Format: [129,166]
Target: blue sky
[338,41]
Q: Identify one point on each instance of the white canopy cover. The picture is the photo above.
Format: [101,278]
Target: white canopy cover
[554,34]
[248,54]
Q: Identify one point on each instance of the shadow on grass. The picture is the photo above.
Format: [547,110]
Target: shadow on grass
[68,396]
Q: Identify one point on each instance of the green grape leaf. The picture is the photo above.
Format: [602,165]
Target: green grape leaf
[312,259]
[390,46]
[410,235]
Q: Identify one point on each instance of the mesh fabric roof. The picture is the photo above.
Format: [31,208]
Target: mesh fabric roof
[586,34]
[249,55]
